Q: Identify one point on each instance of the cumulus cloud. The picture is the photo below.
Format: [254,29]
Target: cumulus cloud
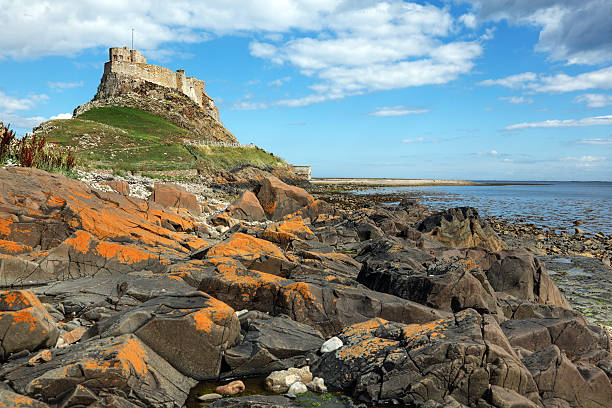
[279,81]
[575,31]
[20,122]
[516,100]
[399,110]
[594,100]
[593,121]
[11,104]
[66,115]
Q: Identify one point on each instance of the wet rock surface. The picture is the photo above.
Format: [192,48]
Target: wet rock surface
[135,300]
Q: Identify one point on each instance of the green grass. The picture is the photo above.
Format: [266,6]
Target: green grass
[124,139]
[227,158]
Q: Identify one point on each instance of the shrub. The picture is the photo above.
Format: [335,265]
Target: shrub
[6,140]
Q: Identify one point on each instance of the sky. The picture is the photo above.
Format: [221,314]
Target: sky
[453,89]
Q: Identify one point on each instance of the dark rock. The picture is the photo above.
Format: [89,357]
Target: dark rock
[190,331]
[463,227]
[558,378]
[252,401]
[521,275]
[13,400]
[270,344]
[461,356]
[123,364]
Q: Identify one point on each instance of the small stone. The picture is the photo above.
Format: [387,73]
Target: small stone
[41,357]
[297,388]
[317,385]
[578,231]
[74,335]
[606,261]
[280,381]
[332,344]
[233,388]
[209,397]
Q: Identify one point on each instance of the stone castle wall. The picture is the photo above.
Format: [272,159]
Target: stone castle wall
[126,62]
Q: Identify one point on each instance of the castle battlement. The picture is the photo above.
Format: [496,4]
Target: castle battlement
[126,62]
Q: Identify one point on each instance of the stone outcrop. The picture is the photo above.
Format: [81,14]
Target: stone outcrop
[279,199]
[463,227]
[172,195]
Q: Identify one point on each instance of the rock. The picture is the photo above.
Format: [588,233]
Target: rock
[172,195]
[280,381]
[330,345]
[213,396]
[25,324]
[578,231]
[233,388]
[78,231]
[223,221]
[505,398]
[252,401]
[286,231]
[254,253]
[41,357]
[606,261]
[13,400]
[80,396]
[73,336]
[521,275]
[270,344]
[190,331]
[120,186]
[247,207]
[123,364]
[317,385]
[279,199]
[461,356]
[463,227]
[558,378]
[297,388]
[327,307]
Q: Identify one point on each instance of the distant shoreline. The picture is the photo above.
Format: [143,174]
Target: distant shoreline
[395,182]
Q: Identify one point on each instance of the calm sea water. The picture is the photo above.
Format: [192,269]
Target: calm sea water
[556,204]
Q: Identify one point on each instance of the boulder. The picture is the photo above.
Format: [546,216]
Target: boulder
[561,383]
[25,324]
[330,345]
[190,331]
[523,276]
[173,195]
[269,344]
[122,365]
[279,199]
[247,207]
[119,186]
[233,388]
[284,232]
[13,400]
[461,227]
[254,253]
[281,381]
[297,388]
[327,307]
[461,356]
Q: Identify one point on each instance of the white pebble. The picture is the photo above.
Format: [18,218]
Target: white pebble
[332,344]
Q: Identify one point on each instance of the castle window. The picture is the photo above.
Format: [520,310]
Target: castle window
[121,57]
[115,57]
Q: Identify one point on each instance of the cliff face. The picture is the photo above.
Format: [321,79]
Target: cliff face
[117,89]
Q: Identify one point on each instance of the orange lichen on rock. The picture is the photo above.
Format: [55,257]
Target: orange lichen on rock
[229,271]
[55,201]
[24,316]
[363,328]
[13,248]
[5,226]
[417,335]
[367,347]
[131,354]
[246,247]
[287,231]
[302,289]
[216,312]
[123,254]
[80,242]
[17,300]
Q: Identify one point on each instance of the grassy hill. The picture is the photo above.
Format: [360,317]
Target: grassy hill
[129,139]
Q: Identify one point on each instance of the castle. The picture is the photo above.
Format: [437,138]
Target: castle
[126,62]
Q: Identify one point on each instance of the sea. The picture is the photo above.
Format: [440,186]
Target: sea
[554,205]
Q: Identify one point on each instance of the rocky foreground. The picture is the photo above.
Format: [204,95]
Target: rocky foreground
[116,301]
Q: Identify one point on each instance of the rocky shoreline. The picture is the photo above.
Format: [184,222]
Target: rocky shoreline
[126,292]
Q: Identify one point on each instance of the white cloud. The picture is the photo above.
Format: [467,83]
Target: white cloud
[11,104]
[594,100]
[414,140]
[64,85]
[280,81]
[584,161]
[20,122]
[593,121]
[249,105]
[397,111]
[492,153]
[66,115]
[516,100]
[468,20]
[595,142]
[559,83]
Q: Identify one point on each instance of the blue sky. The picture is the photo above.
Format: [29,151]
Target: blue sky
[496,89]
